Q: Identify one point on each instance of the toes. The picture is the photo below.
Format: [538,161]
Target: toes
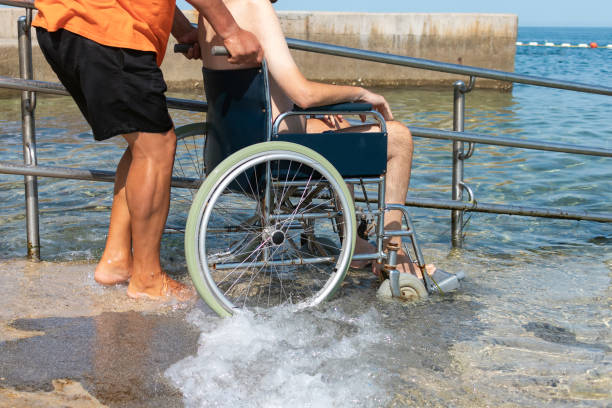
[177,290]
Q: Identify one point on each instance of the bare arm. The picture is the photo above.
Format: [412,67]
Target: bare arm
[283,69]
[184,32]
[242,45]
[180,25]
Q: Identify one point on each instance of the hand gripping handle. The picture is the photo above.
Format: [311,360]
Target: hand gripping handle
[217,50]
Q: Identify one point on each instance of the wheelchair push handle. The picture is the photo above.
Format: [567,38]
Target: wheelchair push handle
[217,50]
[182,47]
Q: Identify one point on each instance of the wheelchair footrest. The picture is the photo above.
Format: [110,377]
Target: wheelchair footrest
[445,282]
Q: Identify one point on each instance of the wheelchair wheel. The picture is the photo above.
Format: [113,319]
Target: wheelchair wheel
[272,224]
[188,164]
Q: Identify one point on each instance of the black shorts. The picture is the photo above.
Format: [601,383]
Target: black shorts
[119,90]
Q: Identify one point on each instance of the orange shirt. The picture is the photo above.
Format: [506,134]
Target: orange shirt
[136,24]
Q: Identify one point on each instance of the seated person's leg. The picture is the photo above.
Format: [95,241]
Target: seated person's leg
[399,163]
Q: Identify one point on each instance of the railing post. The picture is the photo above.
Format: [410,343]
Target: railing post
[28,104]
[457,191]
[460,89]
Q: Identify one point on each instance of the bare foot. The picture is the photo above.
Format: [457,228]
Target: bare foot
[403,265]
[165,288]
[364,247]
[109,272]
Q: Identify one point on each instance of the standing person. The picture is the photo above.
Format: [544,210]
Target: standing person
[107,55]
[288,86]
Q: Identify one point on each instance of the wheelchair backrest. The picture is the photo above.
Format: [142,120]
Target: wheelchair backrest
[238,112]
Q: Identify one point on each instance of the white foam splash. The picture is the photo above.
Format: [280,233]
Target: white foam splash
[285,359]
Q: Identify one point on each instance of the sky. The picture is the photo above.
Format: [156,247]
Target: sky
[562,13]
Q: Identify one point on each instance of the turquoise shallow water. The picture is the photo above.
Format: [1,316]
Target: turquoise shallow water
[531,326]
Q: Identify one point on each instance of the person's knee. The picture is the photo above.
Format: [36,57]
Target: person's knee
[400,138]
[158,147]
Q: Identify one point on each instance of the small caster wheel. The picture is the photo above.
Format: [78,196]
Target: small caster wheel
[411,289]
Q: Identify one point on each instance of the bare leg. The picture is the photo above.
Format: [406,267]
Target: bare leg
[399,161]
[147,192]
[399,165]
[115,266]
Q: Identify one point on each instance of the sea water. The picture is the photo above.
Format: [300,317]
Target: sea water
[531,325]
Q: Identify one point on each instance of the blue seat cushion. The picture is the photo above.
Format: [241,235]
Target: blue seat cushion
[352,154]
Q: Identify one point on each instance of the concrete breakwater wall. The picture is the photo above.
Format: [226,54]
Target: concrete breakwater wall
[482,40]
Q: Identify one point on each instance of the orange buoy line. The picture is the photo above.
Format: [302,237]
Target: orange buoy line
[592,44]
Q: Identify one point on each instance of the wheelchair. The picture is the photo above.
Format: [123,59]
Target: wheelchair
[274,221]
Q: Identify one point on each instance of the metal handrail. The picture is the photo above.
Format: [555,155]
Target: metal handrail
[458,136]
[201,106]
[502,141]
[401,60]
[30,169]
[393,59]
[491,208]
[81,174]
[58,89]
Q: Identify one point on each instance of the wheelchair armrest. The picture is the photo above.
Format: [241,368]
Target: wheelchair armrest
[338,107]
